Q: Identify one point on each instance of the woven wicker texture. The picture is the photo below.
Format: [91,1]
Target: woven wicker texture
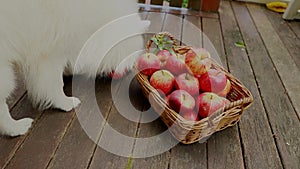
[188,132]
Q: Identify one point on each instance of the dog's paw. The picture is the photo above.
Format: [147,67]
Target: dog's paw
[68,104]
[19,127]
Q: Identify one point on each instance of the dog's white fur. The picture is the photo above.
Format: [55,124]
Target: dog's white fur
[43,38]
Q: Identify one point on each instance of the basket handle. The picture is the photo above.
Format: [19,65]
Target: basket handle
[172,38]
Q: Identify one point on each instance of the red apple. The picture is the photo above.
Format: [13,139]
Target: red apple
[208,103]
[118,75]
[196,64]
[148,63]
[190,115]
[162,80]
[176,64]
[226,90]
[213,81]
[188,83]
[163,55]
[181,101]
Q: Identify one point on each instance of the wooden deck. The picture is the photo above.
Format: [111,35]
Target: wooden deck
[267,137]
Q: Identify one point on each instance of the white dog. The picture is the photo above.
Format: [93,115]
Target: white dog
[44,37]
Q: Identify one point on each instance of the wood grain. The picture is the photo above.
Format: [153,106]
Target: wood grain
[256,135]
[42,141]
[213,41]
[286,34]
[77,148]
[282,115]
[286,67]
[9,146]
[295,26]
[195,155]
[43,138]
[227,140]
[150,129]
[117,123]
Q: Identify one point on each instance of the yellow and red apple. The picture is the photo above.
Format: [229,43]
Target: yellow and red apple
[213,81]
[196,64]
[226,90]
[208,103]
[181,101]
[163,81]
[176,64]
[188,83]
[148,63]
[163,55]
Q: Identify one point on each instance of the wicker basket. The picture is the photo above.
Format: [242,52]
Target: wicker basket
[188,132]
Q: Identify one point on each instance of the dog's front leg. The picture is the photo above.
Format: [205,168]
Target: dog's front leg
[9,126]
[45,86]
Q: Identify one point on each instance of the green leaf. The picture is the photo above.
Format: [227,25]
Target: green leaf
[240,44]
[171,51]
[160,46]
[170,42]
[154,40]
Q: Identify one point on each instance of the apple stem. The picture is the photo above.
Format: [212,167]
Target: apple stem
[187,76]
[163,73]
[211,97]
[184,97]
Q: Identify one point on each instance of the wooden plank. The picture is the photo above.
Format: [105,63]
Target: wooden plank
[227,140]
[195,155]
[77,148]
[117,123]
[279,55]
[282,115]
[8,146]
[259,149]
[295,26]
[146,132]
[173,24]
[290,41]
[156,22]
[213,41]
[103,94]
[192,31]
[156,127]
[43,139]
[105,158]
